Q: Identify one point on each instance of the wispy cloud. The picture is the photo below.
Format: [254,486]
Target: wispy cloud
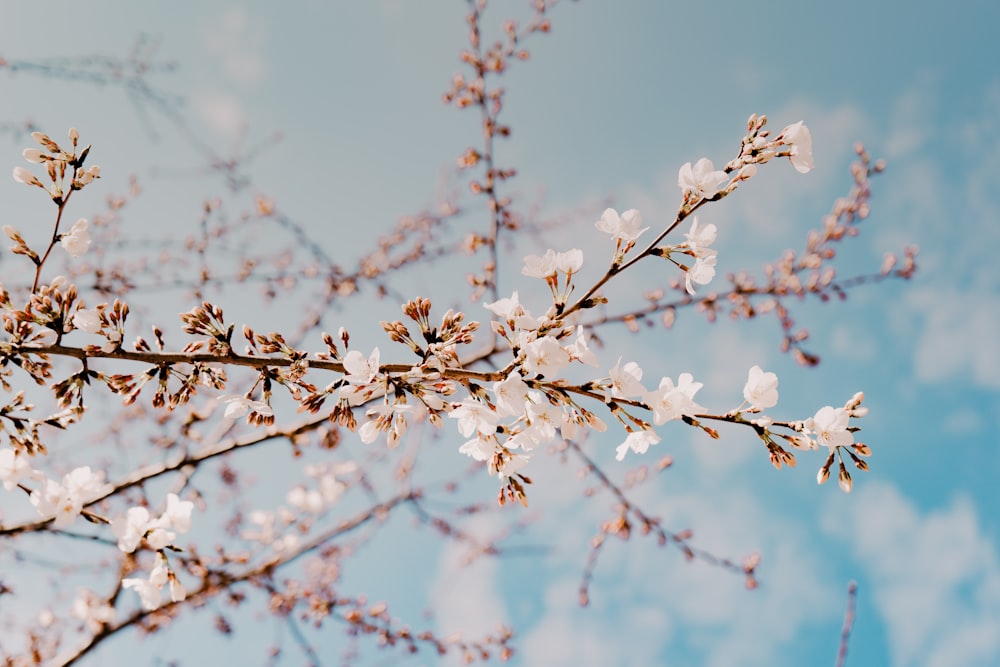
[650,605]
[464,595]
[935,576]
[238,40]
[221,112]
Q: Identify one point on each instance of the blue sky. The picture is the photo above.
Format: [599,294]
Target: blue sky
[609,106]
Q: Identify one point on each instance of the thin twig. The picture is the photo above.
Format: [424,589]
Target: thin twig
[845,632]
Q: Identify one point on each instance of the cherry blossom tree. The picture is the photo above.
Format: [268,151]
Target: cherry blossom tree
[243,464]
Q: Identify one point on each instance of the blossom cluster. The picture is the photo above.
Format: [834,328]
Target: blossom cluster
[529,403]
[61,500]
[532,397]
[136,527]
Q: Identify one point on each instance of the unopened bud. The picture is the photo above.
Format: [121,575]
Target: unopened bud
[844,479]
[33,155]
[823,475]
[22,175]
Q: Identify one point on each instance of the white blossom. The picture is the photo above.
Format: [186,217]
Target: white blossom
[569,262]
[509,395]
[700,238]
[92,610]
[701,180]
[701,272]
[579,350]
[65,500]
[542,419]
[626,380]
[478,448]
[829,425]
[800,140]
[130,528]
[14,467]
[358,370]
[507,308]
[177,515]
[669,402]
[545,356]
[540,266]
[638,442]
[77,240]
[624,228]
[149,590]
[761,389]
[177,592]
[305,500]
[474,417]
[509,465]
[239,406]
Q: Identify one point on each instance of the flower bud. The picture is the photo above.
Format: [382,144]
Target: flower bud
[823,475]
[844,479]
[22,175]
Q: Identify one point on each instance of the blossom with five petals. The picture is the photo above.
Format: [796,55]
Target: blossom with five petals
[358,370]
[669,402]
[702,180]
[624,228]
[545,356]
[829,425]
[475,417]
[761,389]
[626,381]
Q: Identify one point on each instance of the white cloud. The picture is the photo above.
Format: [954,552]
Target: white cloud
[964,421]
[648,602]
[238,41]
[911,123]
[464,594]
[852,342]
[223,113]
[570,636]
[959,336]
[935,576]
